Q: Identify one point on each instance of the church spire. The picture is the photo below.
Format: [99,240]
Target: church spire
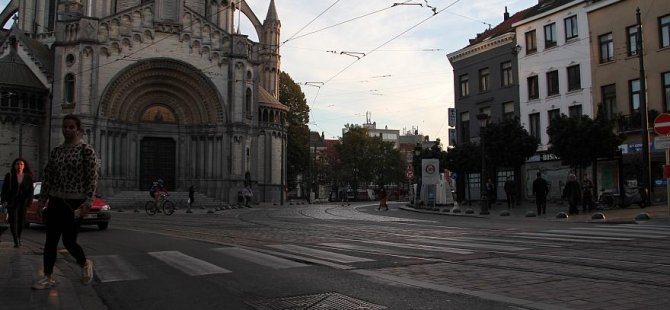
[272,12]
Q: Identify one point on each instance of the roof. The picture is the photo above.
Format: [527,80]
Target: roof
[18,72]
[546,5]
[500,29]
[315,139]
[272,12]
[264,98]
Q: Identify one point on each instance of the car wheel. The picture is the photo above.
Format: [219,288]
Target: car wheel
[103,226]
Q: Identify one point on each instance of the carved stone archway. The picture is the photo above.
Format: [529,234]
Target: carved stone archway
[177,85]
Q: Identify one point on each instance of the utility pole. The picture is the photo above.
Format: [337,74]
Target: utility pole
[643,110]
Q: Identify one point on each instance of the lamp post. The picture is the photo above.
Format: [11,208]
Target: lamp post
[483,121]
[417,169]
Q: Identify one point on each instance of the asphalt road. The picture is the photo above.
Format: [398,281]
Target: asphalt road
[334,257]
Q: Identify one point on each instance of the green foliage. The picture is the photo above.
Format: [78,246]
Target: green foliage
[507,144]
[578,141]
[291,95]
[364,159]
[464,157]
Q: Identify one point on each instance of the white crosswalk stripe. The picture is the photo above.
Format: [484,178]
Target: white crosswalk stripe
[321,254]
[262,259]
[474,245]
[113,268]
[187,264]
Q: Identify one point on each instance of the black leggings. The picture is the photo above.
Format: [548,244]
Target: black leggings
[17,218]
[60,221]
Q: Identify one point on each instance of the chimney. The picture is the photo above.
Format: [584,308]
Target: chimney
[506,16]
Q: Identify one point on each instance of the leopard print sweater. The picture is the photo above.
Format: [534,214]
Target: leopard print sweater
[71,173]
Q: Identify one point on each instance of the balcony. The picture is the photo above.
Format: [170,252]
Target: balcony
[633,122]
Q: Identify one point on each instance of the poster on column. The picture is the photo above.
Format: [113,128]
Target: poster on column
[430,171]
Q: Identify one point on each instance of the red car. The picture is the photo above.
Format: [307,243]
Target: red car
[99,214]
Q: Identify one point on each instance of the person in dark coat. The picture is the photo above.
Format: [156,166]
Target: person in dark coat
[540,190]
[490,192]
[573,193]
[509,192]
[191,198]
[587,194]
[17,193]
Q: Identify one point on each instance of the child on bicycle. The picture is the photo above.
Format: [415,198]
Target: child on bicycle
[157,189]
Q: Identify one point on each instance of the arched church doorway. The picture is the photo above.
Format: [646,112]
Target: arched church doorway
[157,161]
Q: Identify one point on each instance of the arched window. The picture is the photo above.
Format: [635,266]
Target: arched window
[247,103]
[68,88]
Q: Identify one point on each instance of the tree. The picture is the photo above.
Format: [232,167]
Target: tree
[297,155]
[507,144]
[579,141]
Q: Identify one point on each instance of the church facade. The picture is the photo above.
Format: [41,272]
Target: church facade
[165,89]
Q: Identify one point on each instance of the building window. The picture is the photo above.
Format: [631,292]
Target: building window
[465,127]
[534,124]
[531,44]
[485,110]
[550,35]
[464,89]
[484,80]
[571,27]
[574,78]
[68,88]
[247,104]
[552,83]
[634,92]
[507,79]
[631,40]
[533,88]
[665,79]
[606,48]
[552,115]
[508,110]
[664,28]
[609,100]
[575,110]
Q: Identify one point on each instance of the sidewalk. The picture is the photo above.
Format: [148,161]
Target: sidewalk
[21,267]
[657,212]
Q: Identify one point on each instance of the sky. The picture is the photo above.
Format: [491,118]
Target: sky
[382,58]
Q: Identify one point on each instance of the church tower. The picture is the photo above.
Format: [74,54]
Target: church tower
[270,51]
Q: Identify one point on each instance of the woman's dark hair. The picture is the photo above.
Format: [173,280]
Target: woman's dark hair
[75,118]
[26,167]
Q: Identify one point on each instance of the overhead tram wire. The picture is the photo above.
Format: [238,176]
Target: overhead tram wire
[391,40]
[294,37]
[310,22]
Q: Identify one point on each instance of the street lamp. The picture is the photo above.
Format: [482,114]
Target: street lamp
[417,170]
[483,121]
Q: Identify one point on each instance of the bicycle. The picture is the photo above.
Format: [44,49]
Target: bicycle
[164,203]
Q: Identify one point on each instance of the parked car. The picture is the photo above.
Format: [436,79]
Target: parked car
[99,214]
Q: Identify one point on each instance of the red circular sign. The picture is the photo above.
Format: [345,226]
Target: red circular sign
[662,124]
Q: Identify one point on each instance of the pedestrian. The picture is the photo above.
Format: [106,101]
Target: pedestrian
[540,190]
[509,192]
[247,194]
[191,198]
[587,192]
[17,194]
[69,185]
[490,192]
[382,200]
[345,197]
[573,193]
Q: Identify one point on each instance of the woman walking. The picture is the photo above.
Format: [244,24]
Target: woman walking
[69,184]
[17,192]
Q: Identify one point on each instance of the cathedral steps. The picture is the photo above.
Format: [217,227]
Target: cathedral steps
[137,199]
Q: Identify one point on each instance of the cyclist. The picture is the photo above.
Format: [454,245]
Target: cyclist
[156,189]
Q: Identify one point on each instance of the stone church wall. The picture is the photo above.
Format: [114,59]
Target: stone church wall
[126,4]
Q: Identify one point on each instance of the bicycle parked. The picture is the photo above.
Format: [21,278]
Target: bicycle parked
[164,204]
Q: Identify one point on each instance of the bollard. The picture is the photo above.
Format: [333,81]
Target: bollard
[561,215]
[598,216]
[530,214]
[456,209]
[505,213]
[469,211]
[644,216]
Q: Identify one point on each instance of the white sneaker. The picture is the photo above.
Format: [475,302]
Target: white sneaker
[87,272]
[45,283]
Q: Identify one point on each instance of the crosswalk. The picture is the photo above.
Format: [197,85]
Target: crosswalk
[116,268]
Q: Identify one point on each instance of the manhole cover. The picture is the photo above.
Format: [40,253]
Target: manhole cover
[318,301]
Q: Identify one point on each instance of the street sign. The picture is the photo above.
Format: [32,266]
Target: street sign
[662,142]
[430,173]
[662,124]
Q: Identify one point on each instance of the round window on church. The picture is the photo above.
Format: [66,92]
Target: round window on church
[158,114]
[69,60]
